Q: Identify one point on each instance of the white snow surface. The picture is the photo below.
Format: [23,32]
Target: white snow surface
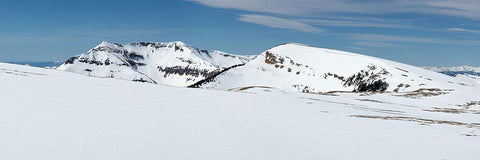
[55,115]
[304,68]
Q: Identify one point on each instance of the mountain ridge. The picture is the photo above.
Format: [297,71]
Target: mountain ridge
[298,67]
[289,66]
[457,70]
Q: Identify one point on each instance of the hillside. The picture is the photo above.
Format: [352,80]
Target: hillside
[296,67]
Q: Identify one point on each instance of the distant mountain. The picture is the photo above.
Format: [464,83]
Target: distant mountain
[452,71]
[290,67]
[46,64]
[173,63]
[302,68]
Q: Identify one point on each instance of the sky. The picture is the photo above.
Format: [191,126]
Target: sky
[421,33]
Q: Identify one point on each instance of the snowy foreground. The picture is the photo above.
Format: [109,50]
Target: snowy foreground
[54,115]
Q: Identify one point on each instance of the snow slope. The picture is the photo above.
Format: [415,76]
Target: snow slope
[174,63]
[296,67]
[55,115]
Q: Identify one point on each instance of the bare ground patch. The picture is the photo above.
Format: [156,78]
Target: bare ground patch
[452,110]
[249,87]
[470,104]
[20,73]
[421,121]
[360,107]
[424,92]
[370,100]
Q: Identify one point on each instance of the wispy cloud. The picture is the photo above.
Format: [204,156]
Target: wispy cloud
[460,8]
[374,44]
[340,22]
[114,32]
[40,39]
[355,14]
[81,35]
[391,38]
[464,30]
[276,22]
[311,15]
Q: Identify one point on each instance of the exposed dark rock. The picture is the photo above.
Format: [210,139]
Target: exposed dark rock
[185,60]
[140,80]
[184,71]
[378,85]
[178,48]
[150,44]
[212,77]
[71,60]
[270,58]
[89,61]
[368,80]
[133,55]
[107,62]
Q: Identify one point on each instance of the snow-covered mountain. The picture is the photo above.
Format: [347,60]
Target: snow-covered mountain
[302,68]
[55,115]
[452,71]
[173,63]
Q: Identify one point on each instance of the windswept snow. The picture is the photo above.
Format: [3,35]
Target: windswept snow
[54,115]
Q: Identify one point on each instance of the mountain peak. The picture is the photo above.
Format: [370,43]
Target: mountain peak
[180,43]
[170,63]
[295,44]
[108,44]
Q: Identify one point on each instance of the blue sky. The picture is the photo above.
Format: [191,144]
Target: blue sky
[430,32]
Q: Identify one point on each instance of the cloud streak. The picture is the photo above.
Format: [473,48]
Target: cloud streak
[40,39]
[459,8]
[464,30]
[349,22]
[375,44]
[391,38]
[309,15]
[276,22]
[112,32]
[76,36]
